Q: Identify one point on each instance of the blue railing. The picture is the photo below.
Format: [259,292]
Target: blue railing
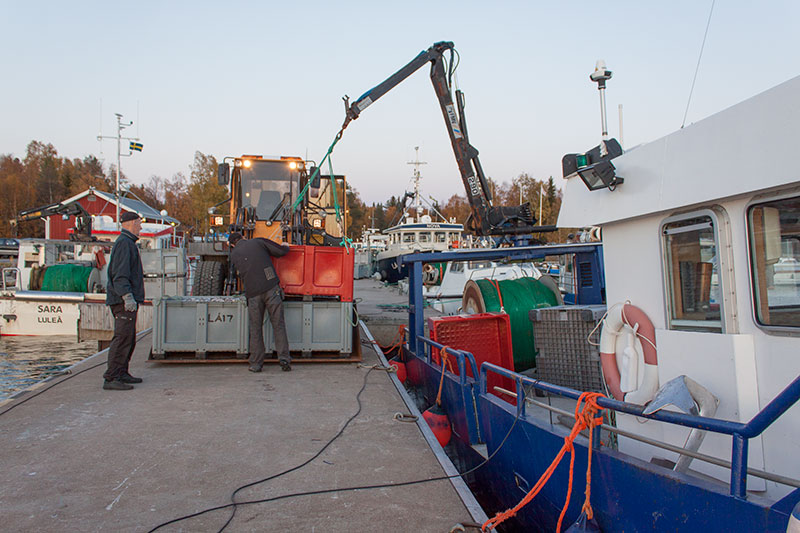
[462,357]
[741,432]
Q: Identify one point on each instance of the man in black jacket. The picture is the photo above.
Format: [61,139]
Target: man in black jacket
[252,258]
[124,293]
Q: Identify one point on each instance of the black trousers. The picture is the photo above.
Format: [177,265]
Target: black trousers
[122,344]
[272,302]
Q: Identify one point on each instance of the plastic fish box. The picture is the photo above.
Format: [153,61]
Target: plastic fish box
[317,271]
[315,326]
[163,286]
[487,336]
[200,324]
[566,357]
[170,262]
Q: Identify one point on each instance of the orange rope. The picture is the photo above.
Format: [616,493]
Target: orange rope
[445,361]
[397,341]
[584,418]
[496,285]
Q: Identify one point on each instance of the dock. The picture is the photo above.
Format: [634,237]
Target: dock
[79,458]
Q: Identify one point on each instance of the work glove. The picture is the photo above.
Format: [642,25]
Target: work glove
[130,303]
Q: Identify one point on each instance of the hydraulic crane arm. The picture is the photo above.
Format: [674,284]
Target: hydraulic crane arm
[83,220]
[486,219]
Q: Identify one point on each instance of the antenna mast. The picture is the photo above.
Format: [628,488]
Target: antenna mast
[120,126]
[417,177]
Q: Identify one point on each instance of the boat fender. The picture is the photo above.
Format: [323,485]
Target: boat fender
[436,417]
[400,368]
[794,520]
[640,326]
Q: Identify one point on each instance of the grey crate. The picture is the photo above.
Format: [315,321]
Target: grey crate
[361,270]
[169,262]
[565,356]
[315,326]
[161,286]
[200,324]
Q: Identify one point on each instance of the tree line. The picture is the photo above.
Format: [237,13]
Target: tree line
[43,177]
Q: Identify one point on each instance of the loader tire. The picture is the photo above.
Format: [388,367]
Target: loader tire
[209,279]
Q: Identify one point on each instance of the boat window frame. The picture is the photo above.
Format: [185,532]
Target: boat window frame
[760,200]
[720,224]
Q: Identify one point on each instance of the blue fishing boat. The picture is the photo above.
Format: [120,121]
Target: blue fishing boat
[682,330]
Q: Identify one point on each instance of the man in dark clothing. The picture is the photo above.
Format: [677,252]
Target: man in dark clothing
[124,293]
[252,258]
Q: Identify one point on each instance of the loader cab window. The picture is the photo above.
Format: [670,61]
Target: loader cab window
[264,185]
[773,230]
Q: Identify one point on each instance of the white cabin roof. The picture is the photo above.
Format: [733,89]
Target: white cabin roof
[694,165]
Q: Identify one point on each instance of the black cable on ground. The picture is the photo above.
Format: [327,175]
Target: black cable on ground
[234,505]
[339,434]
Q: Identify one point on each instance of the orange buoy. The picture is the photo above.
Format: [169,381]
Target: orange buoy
[439,423]
[401,368]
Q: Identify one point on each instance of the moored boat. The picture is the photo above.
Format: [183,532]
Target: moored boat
[698,350]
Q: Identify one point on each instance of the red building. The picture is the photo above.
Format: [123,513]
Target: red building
[102,203]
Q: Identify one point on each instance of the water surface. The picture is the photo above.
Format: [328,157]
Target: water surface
[25,361]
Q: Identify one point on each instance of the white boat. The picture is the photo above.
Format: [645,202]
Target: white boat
[367,249]
[26,309]
[413,235]
[416,234]
[37,303]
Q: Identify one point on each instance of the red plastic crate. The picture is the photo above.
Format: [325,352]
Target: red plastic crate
[317,271]
[487,336]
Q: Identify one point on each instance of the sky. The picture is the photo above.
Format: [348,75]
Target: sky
[233,78]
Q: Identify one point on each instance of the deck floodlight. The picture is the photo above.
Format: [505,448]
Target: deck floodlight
[600,175]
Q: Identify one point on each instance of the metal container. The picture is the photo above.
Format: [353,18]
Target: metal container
[565,356]
[315,326]
[170,262]
[200,324]
[164,272]
[160,287]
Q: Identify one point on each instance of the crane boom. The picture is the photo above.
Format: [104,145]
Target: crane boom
[486,219]
[83,220]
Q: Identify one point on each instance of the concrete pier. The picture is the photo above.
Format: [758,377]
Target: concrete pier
[79,458]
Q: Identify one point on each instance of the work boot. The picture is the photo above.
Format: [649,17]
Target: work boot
[116,385]
[286,366]
[254,368]
[127,378]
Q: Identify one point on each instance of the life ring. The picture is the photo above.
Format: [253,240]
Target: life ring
[624,387]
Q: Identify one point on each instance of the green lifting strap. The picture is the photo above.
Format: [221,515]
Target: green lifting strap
[316,172]
[345,241]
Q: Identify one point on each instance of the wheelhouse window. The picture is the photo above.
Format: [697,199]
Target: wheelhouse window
[441,236]
[408,237]
[424,237]
[692,274]
[774,241]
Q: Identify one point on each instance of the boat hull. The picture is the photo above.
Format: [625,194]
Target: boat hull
[42,317]
[627,494]
[390,271]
